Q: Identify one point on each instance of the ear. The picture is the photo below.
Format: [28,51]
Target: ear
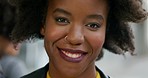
[42,31]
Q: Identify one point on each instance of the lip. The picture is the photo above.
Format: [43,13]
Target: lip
[70,55]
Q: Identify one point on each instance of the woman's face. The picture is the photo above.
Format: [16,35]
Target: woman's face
[74,34]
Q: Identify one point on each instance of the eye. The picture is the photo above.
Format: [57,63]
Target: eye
[62,20]
[93,26]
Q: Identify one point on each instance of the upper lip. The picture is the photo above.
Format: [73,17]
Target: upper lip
[73,51]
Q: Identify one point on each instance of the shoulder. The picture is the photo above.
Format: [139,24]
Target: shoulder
[13,67]
[102,74]
[40,73]
[10,61]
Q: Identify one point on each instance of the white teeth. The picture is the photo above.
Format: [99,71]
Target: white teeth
[71,55]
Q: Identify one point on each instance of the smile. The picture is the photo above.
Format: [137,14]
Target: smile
[72,55]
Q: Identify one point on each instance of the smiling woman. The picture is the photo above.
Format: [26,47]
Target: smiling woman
[76,31]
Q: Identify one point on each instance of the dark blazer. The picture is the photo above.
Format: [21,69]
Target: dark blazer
[41,73]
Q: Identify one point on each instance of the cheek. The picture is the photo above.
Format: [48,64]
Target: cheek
[50,36]
[96,41]
[53,33]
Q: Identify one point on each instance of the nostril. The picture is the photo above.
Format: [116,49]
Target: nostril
[74,40]
[78,44]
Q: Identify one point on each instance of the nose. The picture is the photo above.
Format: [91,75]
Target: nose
[75,35]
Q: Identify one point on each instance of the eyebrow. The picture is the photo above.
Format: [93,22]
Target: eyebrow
[59,10]
[95,16]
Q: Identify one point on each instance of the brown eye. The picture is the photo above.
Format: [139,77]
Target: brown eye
[62,21]
[93,26]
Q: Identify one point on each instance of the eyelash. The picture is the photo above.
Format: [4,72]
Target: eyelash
[93,26]
[62,20]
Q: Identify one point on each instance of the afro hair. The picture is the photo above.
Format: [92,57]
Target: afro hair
[119,36]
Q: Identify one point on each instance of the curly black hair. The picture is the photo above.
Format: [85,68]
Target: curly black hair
[7,18]
[119,36]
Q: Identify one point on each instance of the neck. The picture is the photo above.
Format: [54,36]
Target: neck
[89,72]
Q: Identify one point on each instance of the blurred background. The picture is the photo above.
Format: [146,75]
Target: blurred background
[116,66]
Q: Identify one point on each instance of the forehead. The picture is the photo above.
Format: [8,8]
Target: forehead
[77,2]
[80,5]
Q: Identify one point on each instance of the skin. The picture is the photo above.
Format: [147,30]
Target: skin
[12,49]
[7,47]
[3,44]
[84,24]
